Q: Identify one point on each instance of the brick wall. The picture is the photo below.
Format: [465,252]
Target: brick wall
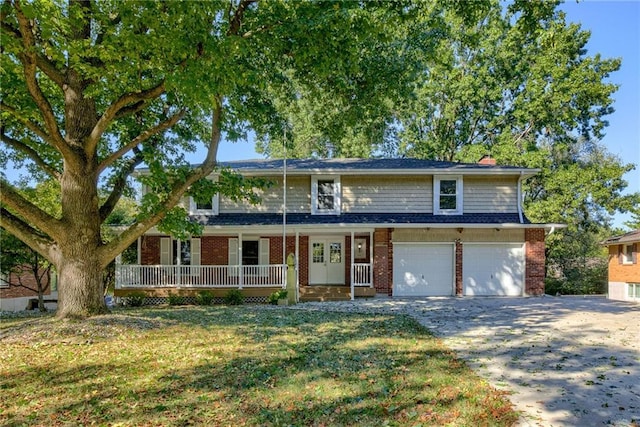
[458,278]
[27,279]
[382,261]
[303,262]
[619,272]
[535,261]
[214,250]
[150,250]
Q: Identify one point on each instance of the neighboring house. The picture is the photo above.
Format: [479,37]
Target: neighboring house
[624,270]
[16,290]
[357,227]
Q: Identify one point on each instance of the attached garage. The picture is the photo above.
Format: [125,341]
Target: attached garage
[423,269]
[493,269]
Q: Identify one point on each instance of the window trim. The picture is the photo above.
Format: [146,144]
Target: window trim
[215,207]
[436,195]
[337,195]
[627,256]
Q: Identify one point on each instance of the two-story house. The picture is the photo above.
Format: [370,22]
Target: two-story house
[356,227]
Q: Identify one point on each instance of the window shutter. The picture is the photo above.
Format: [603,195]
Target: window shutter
[195,256]
[263,258]
[165,253]
[634,256]
[620,254]
[233,257]
[264,252]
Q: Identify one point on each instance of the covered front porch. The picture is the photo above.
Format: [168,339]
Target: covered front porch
[327,266]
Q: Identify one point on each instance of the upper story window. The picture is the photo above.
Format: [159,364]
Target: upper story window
[627,254]
[325,195]
[210,207]
[447,195]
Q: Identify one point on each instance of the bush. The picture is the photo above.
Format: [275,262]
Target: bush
[234,297]
[136,299]
[204,298]
[277,295]
[176,300]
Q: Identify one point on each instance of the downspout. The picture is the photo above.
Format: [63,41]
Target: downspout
[520,216]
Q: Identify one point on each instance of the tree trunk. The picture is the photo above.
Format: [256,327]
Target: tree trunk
[80,269]
[80,291]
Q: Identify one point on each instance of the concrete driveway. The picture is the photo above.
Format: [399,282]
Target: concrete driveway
[567,361]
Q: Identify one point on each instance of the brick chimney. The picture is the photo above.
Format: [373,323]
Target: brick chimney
[487,160]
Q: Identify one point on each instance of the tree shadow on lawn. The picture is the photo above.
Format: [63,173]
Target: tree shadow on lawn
[575,361]
[345,371]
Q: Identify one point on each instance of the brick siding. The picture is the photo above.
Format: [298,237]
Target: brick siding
[458,278]
[27,279]
[619,272]
[382,261]
[535,261]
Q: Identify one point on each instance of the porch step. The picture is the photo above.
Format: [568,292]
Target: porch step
[324,293]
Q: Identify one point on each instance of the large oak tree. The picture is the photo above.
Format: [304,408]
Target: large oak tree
[92,89]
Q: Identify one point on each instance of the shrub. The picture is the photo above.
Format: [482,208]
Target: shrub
[136,299]
[204,298]
[277,295]
[234,297]
[176,300]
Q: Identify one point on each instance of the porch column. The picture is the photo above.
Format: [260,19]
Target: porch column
[353,252]
[241,270]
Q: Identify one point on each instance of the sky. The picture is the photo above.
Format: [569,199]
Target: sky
[615,33]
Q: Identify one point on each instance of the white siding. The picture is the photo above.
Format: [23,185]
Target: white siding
[362,194]
[450,235]
[490,194]
[298,198]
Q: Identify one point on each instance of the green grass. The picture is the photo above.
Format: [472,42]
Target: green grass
[233,366]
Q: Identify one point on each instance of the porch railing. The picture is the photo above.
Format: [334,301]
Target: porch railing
[361,274]
[200,276]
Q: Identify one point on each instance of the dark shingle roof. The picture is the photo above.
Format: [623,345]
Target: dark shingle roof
[630,237]
[358,219]
[358,165]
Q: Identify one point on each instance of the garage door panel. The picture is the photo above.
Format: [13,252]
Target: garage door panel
[422,269]
[493,269]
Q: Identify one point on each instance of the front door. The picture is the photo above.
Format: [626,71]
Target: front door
[326,261]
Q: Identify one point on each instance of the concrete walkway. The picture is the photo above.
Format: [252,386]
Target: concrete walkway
[567,361]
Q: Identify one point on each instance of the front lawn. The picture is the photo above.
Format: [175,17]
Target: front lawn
[233,366]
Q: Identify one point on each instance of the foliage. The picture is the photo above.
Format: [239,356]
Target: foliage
[267,367]
[91,90]
[174,299]
[204,298]
[136,299]
[512,80]
[577,263]
[277,295]
[18,261]
[234,297]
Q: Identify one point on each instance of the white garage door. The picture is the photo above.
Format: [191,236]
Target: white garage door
[493,269]
[422,269]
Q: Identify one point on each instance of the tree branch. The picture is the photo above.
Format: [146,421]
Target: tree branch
[109,251]
[33,127]
[236,20]
[31,213]
[160,127]
[110,113]
[29,62]
[34,239]
[33,154]
[119,186]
